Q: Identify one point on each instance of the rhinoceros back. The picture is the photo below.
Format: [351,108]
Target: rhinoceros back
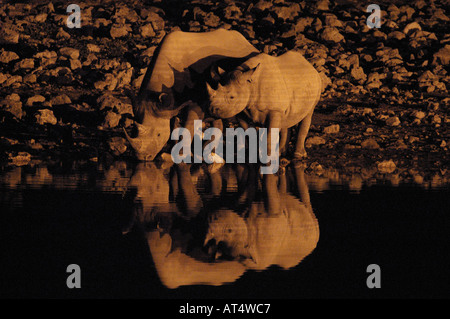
[180,53]
[287,83]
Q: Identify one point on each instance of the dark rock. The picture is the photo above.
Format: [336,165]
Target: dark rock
[13,105]
[8,56]
[117,145]
[45,116]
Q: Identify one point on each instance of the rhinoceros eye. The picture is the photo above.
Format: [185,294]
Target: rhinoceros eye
[231,97]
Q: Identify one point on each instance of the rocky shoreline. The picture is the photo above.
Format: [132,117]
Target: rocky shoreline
[384,112]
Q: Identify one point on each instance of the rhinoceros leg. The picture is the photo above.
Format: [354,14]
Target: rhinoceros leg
[302,186]
[301,136]
[274,122]
[195,112]
[189,195]
[283,140]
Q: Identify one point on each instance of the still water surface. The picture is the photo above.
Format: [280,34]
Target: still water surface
[146,231]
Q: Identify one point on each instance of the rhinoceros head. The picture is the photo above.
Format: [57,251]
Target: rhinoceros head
[151,138]
[234,96]
[154,132]
[228,231]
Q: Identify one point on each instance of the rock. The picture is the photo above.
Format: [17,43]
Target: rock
[124,75]
[316,25]
[75,64]
[24,64]
[8,33]
[315,140]
[436,119]
[112,119]
[386,167]
[3,78]
[13,105]
[110,102]
[396,35]
[288,13]
[45,116]
[157,21]
[62,34]
[330,34]
[357,74]
[119,30]
[323,5]
[442,57]
[117,145]
[126,13]
[21,159]
[137,82]
[393,121]
[262,5]
[370,143]
[147,31]
[439,14]
[8,56]
[411,26]
[35,99]
[211,20]
[70,53]
[232,12]
[373,81]
[109,83]
[40,18]
[91,47]
[332,21]
[13,79]
[427,79]
[303,23]
[46,57]
[332,129]
[60,100]
[419,114]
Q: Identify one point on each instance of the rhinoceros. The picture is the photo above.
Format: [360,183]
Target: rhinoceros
[278,92]
[279,231]
[176,78]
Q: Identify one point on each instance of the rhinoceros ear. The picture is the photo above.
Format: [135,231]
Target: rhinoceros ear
[252,73]
[166,100]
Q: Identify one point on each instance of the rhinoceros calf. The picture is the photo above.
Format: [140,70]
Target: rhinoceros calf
[278,92]
[281,230]
[176,78]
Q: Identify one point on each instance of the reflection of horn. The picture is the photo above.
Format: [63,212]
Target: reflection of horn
[209,236]
[136,143]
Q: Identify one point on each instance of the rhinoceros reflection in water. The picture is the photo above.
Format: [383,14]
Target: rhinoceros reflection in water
[212,238]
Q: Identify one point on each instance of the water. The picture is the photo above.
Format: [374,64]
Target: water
[146,231]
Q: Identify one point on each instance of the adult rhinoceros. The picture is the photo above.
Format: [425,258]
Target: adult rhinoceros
[176,78]
[278,92]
